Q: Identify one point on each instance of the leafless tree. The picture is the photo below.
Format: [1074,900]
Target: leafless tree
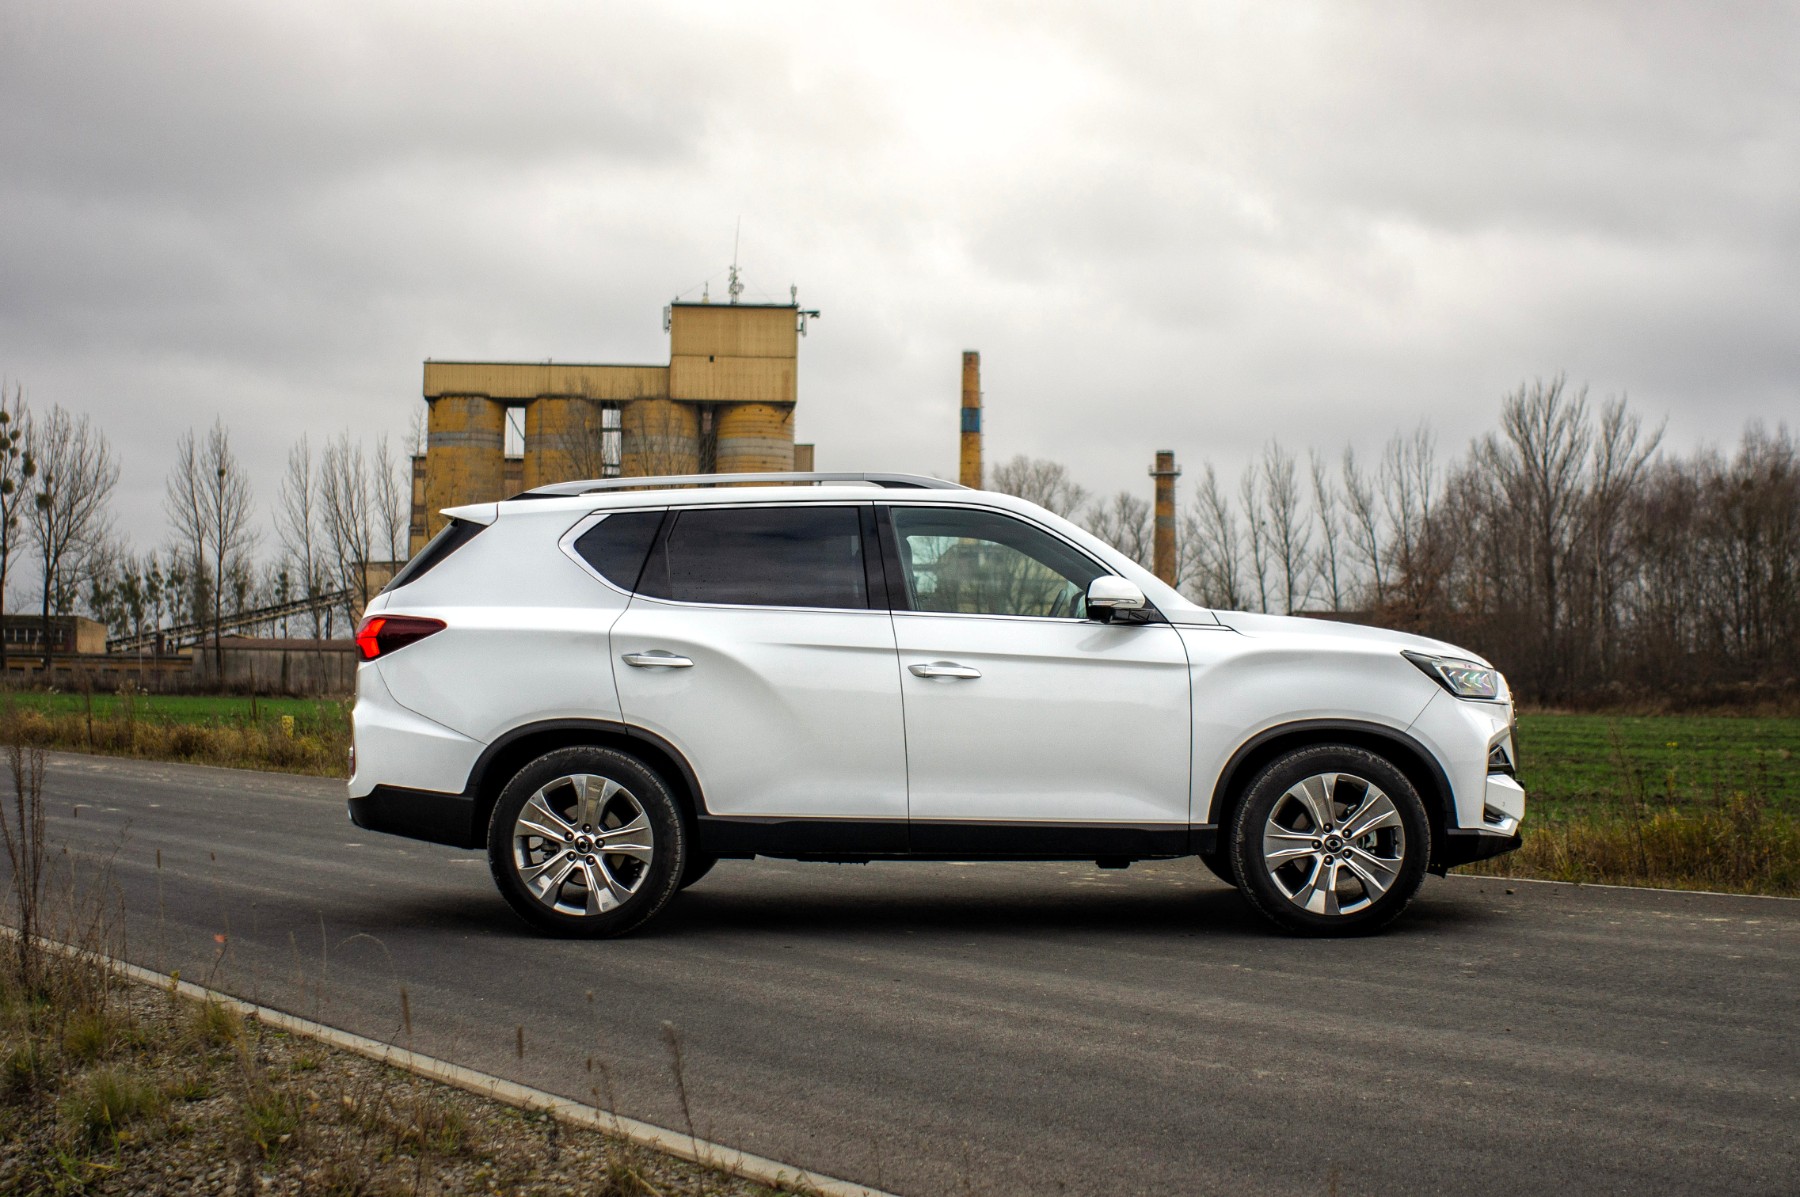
[17,468]
[1212,547]
[1539,462]
[209,500]
[297,520]
[1037,480]
[1411,489]
[67,515]
[392,498]
[1256,523]
[1123,522]
[346,501]
[1327,508]
[1363,526]
[1289,531]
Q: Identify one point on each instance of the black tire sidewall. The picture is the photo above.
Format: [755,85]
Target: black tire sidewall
[666,865]
[1259,888]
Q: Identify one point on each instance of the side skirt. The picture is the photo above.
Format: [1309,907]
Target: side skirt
[860,839]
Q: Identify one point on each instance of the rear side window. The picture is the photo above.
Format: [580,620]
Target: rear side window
[618,544]
[800,556]
[451,537]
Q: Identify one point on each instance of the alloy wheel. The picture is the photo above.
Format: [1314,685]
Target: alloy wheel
[1334,843]
[582,844]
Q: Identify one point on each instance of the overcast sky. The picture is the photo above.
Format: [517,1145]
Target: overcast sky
[1187,226]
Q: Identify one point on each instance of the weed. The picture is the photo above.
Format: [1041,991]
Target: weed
[217,1025]
[94,1032]
[104,1103]
[27,1068]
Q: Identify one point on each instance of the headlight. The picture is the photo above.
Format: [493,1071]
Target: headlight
[1465,679]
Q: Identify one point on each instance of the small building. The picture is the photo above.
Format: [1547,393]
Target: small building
[68,634]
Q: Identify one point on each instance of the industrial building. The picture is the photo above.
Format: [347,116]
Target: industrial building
[723,404]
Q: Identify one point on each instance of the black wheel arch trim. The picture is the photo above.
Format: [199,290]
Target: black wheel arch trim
[1441,802]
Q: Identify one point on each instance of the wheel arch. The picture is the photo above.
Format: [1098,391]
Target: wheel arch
[512,750]
[1408,755]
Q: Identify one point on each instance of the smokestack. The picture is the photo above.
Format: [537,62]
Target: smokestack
[971,420]
[1163,555]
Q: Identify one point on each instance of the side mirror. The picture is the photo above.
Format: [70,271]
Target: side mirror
[1108,595]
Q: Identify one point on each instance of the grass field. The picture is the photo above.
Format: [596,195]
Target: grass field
[1575,763]
[220,710]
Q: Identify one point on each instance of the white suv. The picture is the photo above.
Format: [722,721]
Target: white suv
[610,688]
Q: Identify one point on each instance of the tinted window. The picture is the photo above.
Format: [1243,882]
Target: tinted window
[982,563]
[618,544]
[451,537]
[801,556]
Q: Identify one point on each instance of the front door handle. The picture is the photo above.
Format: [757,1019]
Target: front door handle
[657,659]
[944,669]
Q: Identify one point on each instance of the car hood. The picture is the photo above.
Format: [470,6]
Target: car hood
[1250,623]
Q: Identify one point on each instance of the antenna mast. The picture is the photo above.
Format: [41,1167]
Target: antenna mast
[735,288]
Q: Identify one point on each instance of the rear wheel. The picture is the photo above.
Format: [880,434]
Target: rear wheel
[1330,840]
[586,841]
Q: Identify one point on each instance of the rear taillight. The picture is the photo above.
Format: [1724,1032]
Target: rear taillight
[382,634]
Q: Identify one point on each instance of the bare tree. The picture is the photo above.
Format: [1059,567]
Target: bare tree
[1212,547]
[1037,480]
[345,501]
[392,498]
[1411,490]
[1289,534]
[208,498]
[1327,508]
[17,467]
[1539,462]
[1123,522]
[1363,526]
[1256,522]
[297,519]
[67,515]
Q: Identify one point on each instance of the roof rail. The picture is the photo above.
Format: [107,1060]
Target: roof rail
[593,485]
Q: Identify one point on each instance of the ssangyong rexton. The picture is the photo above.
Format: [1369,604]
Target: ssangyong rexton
[611,689]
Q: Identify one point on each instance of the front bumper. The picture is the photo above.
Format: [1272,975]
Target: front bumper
[1466,847]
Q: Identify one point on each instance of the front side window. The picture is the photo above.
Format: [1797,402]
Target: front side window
[799,556]
[984,563]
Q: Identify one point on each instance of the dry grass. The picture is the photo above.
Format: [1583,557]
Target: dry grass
[1736,847]
[318,748]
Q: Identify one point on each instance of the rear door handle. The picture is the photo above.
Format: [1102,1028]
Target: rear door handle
[944,669]
[657,659]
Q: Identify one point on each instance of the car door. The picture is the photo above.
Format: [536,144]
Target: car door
[1029,727]
[751,645]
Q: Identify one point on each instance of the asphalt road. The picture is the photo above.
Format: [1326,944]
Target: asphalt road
[1029,1028]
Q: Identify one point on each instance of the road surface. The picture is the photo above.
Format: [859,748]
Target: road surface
[1020,1028]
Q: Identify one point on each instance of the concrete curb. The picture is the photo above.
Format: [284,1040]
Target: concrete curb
[574,1113]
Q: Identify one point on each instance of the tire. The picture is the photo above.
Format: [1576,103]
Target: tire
[538,843]
[698,866]
[1293,867]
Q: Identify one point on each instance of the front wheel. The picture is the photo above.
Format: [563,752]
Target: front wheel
[1330,840]
[586,841]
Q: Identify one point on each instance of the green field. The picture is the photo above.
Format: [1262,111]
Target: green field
[1573,764]
[219,710]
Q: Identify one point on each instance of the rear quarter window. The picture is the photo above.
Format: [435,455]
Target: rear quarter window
[451,537]
[617,545]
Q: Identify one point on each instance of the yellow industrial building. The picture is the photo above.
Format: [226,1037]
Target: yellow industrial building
[724,404]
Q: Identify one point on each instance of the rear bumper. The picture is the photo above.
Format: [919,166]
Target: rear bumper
[419,815]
